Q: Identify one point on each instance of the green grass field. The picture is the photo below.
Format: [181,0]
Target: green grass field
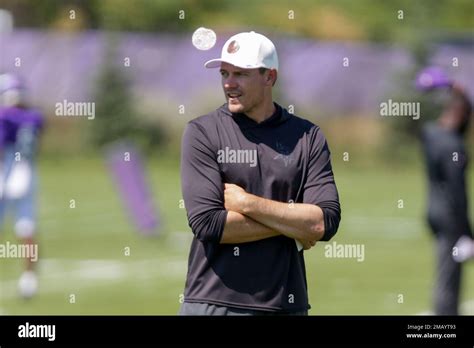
[82,250]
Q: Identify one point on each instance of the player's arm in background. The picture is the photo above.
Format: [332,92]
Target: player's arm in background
[203,194]
[317,218]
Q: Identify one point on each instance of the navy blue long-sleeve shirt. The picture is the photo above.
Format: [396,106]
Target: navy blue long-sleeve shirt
[284,158]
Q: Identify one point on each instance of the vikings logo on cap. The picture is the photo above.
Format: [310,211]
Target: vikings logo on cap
[233,47]
[247,50]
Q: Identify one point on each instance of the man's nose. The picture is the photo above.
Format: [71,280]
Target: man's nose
[230,82]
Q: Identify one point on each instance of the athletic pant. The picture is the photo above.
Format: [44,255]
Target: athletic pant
[192,308]
[24,208]
[448,275]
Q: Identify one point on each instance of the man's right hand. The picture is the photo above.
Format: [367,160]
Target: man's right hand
[306,245]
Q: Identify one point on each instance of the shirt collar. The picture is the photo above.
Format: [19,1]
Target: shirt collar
[280,115]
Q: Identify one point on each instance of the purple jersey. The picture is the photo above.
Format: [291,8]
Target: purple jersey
[12,119]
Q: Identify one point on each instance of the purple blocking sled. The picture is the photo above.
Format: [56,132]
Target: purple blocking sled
[126,168]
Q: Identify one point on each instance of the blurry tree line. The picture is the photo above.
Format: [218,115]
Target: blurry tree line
[374,20]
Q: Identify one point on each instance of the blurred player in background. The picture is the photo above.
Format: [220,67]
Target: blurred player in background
[446,160]
[20,128]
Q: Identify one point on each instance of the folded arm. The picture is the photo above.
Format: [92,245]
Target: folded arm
[242,229]
[304,222]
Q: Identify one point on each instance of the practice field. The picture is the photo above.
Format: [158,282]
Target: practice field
[85,268]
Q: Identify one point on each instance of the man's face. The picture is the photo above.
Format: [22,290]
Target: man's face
[243,88]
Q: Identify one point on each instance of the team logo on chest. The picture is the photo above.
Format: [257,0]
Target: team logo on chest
[284,154]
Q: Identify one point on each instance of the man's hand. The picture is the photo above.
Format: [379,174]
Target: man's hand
[235,198]
[307,245]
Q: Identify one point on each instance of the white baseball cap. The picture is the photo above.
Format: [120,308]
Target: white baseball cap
[248,50]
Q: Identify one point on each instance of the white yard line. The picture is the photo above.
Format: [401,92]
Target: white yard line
[466,308]
[384,227]
[60,275]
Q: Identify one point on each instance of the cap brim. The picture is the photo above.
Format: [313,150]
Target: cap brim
[216,63]
[213,63]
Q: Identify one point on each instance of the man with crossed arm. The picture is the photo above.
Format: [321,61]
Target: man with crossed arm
[251,221]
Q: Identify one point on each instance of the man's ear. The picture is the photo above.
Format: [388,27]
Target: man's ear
[272,76]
